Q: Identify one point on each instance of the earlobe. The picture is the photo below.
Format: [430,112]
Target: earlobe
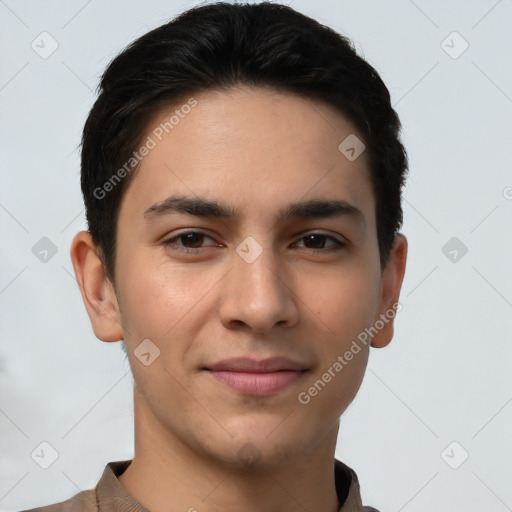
[96,289]
[391,285]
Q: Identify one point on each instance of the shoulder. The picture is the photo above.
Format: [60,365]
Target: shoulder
[370,509]
[84,501]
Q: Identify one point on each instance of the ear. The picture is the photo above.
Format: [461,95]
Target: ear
[97,291]
[391,283]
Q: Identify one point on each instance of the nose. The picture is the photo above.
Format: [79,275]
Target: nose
[258,295]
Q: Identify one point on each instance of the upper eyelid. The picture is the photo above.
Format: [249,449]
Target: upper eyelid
[330,237]
[300,236]
[183,233]
[307,232]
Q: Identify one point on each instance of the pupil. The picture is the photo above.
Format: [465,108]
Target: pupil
[193,238]
[311,238]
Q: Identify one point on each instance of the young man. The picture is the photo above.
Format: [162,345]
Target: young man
[242,174]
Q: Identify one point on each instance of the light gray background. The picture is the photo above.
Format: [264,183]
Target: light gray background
[445,377]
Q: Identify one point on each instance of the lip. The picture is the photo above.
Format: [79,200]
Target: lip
[247,364]
[258,378]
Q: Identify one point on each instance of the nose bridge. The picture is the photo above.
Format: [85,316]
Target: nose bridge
[262,274]
[258,294]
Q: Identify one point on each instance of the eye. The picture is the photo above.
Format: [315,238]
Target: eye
[189,241]
[193,241]
[317,241]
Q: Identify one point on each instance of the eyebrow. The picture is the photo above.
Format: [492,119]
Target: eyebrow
[203,207]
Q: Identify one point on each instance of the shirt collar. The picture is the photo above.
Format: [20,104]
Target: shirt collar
[113,497]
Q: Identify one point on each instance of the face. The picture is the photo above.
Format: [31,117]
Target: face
[246,234]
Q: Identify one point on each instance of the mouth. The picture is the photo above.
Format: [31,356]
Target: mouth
[257,378]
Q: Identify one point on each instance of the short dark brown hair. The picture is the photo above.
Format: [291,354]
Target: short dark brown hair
[218,46]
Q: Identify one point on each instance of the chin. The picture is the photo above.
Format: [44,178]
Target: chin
[249,456]
[258,446]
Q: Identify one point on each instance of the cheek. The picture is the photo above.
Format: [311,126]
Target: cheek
[157,296]
[344,303]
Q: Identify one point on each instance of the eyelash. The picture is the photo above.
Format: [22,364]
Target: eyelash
[170,242]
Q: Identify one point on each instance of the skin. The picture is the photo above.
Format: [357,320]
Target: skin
[257,150]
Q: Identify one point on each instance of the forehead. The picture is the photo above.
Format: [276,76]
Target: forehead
[254,148]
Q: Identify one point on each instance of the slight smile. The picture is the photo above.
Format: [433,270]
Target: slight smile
[258,378]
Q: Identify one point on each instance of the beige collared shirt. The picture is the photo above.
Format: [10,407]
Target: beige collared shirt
[110,496]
